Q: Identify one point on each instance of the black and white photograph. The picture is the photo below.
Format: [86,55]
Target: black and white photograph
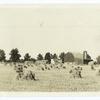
[50,48]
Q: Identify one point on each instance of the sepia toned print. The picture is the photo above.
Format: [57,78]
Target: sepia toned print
[50,48]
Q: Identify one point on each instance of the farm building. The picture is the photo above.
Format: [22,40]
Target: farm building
[86,58]
[79,58]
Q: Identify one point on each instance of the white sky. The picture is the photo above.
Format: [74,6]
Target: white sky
[42,28]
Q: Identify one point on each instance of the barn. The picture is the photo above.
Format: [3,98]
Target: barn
[82,58]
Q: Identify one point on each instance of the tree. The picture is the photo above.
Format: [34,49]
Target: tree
[33,59]
[48,57]
[27,57]
[98,59]
[14,55]
[22,60]
[2,55]
[61,56]
[39,57]
[54,56]
[51,55]
[69,57]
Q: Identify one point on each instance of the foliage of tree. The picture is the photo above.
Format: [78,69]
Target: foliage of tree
[62,56]
[14,55]
[33,59]
[48,57]
[2,55]
[22,60]
[39,57]
[55,56]
[27,57]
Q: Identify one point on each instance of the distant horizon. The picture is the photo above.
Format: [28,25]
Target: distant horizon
[34,55]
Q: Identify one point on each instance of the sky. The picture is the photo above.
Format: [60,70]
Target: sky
[55,28]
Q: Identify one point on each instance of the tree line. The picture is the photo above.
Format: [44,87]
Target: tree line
[15,56]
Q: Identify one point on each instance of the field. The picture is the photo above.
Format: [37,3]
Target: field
[54,80]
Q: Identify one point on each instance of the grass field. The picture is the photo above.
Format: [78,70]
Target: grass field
[54,80]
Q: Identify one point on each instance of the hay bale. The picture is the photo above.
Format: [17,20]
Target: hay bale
[76,72]
[42,68]
[48,68]
[64,67]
